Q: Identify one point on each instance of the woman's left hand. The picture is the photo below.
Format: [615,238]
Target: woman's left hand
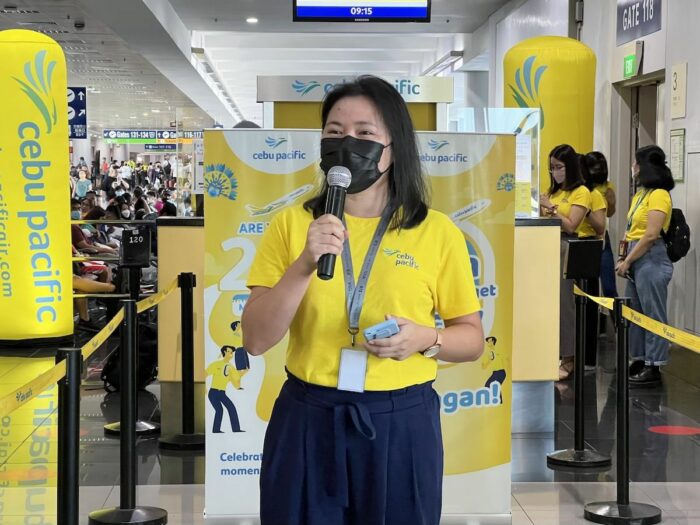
[622,268]
[412,338]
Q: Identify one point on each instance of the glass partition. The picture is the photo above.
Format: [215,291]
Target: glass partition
[524,123]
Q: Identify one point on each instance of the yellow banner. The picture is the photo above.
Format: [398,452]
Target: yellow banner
[35,254]
[606,302]
[154,299]
[676,336]
[252,174]
[29,391]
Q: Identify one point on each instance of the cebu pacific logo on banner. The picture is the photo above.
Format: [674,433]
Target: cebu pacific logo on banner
[441,151]
[526,91]
[37,86]
[278,154]
[220,181]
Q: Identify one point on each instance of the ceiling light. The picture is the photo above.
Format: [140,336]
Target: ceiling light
[251,20]
[145,114]
[155,111]
[132,117]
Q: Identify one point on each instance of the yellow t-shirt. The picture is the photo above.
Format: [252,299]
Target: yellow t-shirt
[417,271]
[565,199]
[223,373]
[598,203]
[642,202]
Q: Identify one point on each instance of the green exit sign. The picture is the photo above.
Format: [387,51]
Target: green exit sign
[629,66]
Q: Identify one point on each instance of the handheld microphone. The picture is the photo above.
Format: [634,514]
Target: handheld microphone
[338,179]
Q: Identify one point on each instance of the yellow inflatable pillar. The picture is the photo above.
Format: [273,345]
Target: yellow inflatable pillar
[556,75]
[35,248]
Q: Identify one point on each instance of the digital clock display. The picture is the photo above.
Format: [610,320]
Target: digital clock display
[362,11]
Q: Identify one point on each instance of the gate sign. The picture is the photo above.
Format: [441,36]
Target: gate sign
[636,19]
[77,112]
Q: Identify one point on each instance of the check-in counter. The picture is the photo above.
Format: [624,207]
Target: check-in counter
[535,361]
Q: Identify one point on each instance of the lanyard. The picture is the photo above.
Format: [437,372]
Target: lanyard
[355,293]
[630,216]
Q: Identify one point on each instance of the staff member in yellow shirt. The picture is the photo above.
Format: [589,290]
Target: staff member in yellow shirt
[643,260]
[569,200]
[592,227]
[373,455]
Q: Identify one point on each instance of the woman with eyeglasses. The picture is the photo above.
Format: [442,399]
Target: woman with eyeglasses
[568,200]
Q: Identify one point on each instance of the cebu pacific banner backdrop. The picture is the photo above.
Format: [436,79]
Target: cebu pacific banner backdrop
[35,255]
[252,174]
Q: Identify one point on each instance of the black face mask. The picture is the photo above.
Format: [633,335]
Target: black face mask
[360,156]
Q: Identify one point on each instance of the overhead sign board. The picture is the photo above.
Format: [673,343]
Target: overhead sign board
[77,112]
[637,18]
[314,88]
[149,136]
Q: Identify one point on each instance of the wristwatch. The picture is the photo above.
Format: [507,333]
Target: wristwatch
[435,348]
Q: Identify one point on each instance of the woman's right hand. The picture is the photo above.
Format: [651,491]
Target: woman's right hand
[326,235]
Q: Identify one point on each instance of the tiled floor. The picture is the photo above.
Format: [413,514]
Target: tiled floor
[665,469]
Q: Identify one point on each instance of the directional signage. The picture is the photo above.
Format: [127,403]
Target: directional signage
[150,136]
[77,112]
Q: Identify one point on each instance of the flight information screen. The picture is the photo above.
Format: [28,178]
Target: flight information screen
[362,11]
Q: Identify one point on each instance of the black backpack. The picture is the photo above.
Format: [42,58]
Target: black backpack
[147,371]
[677,238]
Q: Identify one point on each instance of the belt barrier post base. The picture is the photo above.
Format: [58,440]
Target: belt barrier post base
[140,515]
[143,429]
[578,459]
[182,442]
[611,512]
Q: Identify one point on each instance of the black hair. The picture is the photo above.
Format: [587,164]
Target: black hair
[74,202]
[138,192]
[94,214]
[491,339]
[566,154]
[653,171]
[408,191]
[168,210]
[585,173]
[597,167]
[224,348]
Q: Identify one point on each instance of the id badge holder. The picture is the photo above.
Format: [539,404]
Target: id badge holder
[353,368]
[622,249]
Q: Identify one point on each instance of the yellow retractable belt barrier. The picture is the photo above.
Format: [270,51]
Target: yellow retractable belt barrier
[674,335]
[679,337]
[154,299]
[29,391]
[100,337]
[605,302]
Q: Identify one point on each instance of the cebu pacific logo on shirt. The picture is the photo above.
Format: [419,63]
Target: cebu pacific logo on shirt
[402,258]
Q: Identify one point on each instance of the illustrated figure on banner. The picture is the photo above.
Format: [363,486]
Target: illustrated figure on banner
[224,372]
[493,360]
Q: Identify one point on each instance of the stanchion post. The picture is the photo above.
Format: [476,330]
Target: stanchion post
[579,457]
[67,489]
[580,363]
[128,512]
[622,511]
[188,439]
[187,281]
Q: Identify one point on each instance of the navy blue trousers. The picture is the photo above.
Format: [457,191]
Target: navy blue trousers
[219,400]
[344,458]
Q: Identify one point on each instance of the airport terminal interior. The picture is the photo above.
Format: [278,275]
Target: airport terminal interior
[192,123]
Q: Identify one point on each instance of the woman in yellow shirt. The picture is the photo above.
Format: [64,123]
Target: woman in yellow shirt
[354,436]
[569,200]
[592,227]
[645,263]
[598,168]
